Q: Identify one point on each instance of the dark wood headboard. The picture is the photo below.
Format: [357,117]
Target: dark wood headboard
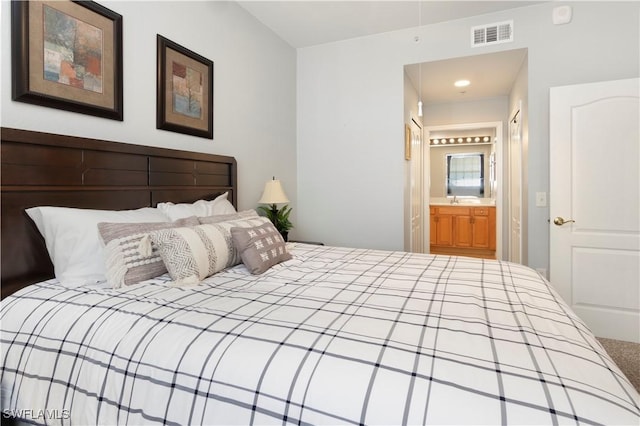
[43,169]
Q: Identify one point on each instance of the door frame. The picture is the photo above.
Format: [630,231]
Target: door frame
[423,156]
[509,179]
[500,181]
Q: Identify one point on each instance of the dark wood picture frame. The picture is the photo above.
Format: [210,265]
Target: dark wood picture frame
[29,59]
[179,69]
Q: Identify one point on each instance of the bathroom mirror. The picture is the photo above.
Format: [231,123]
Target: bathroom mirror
[465,174]
[462,170]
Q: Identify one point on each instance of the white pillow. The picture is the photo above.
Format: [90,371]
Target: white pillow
[181,211]
[201,208]
[220,206]
[73,241]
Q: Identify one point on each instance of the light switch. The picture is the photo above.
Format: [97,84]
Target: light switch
[541,199]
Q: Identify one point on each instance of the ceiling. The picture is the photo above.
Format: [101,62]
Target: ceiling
[491,75]
[303,23]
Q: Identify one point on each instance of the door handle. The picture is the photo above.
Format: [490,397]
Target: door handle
[559,221]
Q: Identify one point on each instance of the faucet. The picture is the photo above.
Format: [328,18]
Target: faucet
[454,200]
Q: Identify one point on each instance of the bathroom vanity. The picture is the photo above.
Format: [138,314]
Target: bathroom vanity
[467,230]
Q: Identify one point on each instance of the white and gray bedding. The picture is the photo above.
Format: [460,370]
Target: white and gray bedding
[332,336]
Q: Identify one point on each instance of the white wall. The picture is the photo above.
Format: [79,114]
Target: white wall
[474,111]
[254,89]
[351,112]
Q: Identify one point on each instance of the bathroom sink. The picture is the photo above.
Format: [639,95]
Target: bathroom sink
[463,202]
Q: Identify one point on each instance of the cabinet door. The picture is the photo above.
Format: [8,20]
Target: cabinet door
[481,232]
[492,228]
[462,231]
[444,229]
[433,229]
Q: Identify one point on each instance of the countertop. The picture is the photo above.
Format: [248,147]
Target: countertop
[463,202]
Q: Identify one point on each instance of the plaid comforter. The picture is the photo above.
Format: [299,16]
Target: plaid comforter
[333,336]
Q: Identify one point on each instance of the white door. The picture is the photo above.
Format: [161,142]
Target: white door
[595,204]
[417,193]
[515,188]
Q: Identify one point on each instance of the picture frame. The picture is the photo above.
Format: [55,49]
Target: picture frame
[407,142]
[184,99]
[67,55]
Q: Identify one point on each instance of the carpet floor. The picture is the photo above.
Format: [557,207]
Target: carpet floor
[627,356]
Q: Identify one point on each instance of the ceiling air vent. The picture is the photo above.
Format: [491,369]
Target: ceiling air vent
[501,32]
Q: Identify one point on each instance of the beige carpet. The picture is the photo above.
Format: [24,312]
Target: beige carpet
[627,356]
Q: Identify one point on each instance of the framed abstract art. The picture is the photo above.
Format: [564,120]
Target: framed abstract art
[67,55]
[184,90]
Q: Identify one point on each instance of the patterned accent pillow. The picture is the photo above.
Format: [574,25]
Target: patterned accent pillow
[125,264]
[191,254]
[260,247]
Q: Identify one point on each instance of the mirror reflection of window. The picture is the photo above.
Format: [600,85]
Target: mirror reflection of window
[465,175]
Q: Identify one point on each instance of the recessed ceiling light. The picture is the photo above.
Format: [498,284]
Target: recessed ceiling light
[462,83]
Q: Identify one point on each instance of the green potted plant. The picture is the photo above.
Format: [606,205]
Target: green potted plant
[279,218]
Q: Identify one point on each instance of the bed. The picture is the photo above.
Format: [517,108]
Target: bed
[331,335]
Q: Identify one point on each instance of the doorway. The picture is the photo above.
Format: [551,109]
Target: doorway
[481,140]
[498,87]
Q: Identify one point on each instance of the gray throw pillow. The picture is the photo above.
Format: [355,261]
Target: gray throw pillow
[260,247]
[245,214]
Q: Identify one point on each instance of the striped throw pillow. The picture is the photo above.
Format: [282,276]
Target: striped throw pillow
[124,263]
[245,214]
[191,254]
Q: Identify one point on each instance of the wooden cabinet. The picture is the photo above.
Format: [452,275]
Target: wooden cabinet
[441,228]
[463,228]
[483,226]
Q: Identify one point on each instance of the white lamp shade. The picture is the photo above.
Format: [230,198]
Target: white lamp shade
[273,193]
